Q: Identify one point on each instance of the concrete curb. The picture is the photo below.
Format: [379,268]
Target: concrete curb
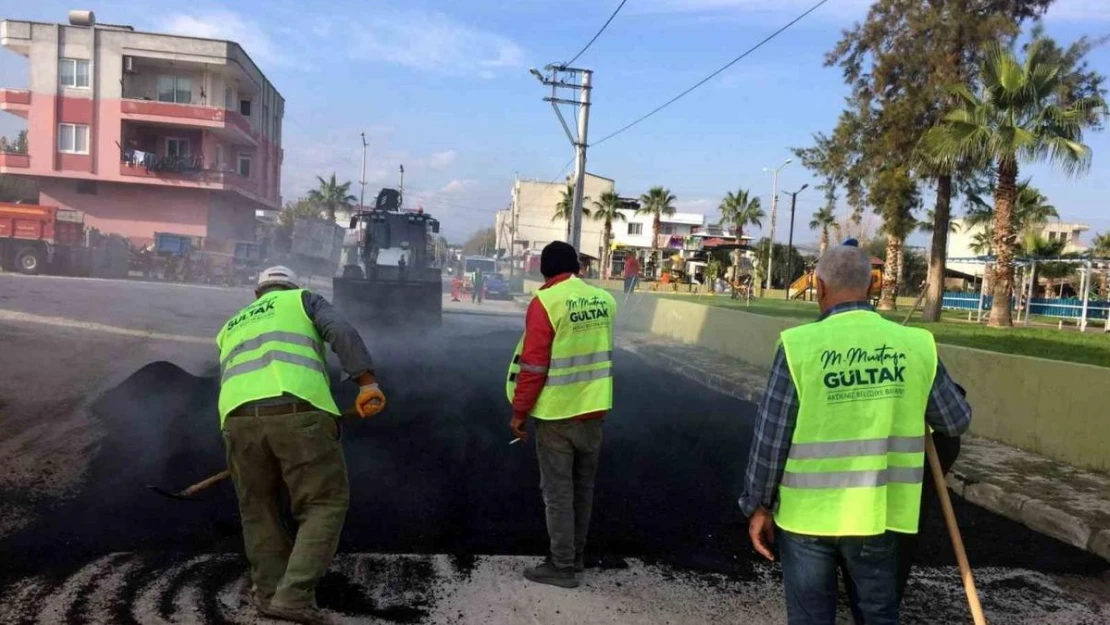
[1033,513]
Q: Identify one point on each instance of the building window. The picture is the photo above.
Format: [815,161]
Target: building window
[666,229]
[245,108]
[74,73]
[635,228]
[86,187]
[229,101]
[73,138]
[244,166]
[177,147]
[176,89]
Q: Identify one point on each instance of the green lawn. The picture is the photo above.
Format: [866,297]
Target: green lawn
[1091,347]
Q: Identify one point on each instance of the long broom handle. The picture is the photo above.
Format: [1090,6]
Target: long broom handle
[946,506]
[954,533]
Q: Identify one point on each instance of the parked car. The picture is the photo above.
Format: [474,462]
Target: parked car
[497,287]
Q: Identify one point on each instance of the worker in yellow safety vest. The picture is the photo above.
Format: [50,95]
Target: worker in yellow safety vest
[561,375]
[837,457]
[280,430]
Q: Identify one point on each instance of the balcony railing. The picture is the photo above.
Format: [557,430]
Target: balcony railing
[209,116]
[183,169]
[15,96]
[15,159]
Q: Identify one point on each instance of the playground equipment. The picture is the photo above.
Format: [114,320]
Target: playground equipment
[807,285]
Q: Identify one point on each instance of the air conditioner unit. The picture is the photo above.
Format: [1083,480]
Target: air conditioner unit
[128,64]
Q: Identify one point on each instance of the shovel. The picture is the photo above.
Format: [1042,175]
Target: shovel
[187,494]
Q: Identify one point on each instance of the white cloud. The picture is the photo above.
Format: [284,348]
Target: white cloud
[457,186]
[432,42]
[231,27]
[703,205]
[442,160]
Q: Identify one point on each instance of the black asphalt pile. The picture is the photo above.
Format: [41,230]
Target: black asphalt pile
[434,473]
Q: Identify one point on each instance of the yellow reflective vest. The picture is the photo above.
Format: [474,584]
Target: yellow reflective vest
[270,348]
[856,458]
[580,376]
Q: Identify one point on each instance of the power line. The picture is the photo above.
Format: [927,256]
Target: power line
[603,27]
[562,171]
[714,74]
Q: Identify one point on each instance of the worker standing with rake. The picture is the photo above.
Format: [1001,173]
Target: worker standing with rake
[837,461]
[280,430]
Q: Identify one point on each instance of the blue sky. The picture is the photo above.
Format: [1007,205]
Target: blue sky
[442,87]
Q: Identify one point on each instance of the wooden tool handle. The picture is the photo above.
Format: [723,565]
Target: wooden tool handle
[954,532]
[199,486]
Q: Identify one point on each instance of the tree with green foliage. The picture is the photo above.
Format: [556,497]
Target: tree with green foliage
[1100,248]
[332,197]
[738,211]
[657,202]
[481,243]
[1034,245]
[1017,117]
[564,210]
[898,62]
[607,210]
[822,221]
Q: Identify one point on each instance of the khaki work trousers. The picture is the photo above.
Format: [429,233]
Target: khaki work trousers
[303,453]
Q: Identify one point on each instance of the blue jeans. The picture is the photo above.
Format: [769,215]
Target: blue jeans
[809,565]
[630,284]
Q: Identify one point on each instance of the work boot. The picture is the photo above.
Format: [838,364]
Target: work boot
[548,573]
[579,563]
[307,614]
[257,600]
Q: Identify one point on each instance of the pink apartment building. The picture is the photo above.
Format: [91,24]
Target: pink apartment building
[145,132]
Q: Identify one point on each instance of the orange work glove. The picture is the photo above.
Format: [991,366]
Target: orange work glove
[370,400]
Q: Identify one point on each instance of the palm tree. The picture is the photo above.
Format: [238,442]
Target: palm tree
[1031,209]
[657,202]
[1101,249]
[607,209]
[565,208]
[823,220]
[1036,246]
[739,210]
[331,196]
[1018,118]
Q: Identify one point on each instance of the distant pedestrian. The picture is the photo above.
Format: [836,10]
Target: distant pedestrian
[561,375]
[631,273]
[280,432]
[477,293]
[456,288]
[837,459]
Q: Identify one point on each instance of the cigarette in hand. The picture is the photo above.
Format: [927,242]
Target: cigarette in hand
[514,441]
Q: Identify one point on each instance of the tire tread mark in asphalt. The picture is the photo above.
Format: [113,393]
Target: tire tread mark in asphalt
[214,575]
[132,583]
[174,585]
[78,609]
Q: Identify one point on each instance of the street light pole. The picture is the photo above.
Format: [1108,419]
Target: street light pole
[774,216]
[362,181]
[790,241]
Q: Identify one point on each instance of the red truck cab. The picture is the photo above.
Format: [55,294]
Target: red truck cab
[33,236]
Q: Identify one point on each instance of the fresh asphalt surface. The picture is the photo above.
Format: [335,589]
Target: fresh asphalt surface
[434,474]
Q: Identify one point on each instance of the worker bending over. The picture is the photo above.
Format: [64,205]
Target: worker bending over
[837,459]
[562,375]
[280,429]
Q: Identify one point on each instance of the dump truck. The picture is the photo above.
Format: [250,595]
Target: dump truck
[389,275]
[34,238]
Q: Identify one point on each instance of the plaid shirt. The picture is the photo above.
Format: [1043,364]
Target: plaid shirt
[947,412]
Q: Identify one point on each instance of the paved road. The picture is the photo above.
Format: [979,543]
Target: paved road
[433,481]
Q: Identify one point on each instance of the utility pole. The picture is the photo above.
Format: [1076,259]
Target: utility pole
[362,181]
[565,77]
[401,204]
[790,240]
[774,216]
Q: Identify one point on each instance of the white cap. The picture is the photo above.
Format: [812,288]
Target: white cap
[278,275]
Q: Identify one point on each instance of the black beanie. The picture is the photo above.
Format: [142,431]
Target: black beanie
[558,257]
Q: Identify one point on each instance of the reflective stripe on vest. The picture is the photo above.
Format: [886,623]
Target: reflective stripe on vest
[580,374]
[271,348]
[856,458]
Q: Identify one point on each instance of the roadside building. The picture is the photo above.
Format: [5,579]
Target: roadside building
[146,132]
[529,223]
[964,242]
